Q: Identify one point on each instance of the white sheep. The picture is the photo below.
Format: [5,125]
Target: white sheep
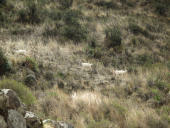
[119,72]
[86,66]
[22,52]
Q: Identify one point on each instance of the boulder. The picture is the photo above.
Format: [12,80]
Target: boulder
[9,100]
[15,119]
[2,122]
[53,124]
[32,120]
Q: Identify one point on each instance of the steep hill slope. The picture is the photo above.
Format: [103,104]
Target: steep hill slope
[45,43]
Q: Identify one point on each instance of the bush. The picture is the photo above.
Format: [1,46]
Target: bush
[157,95]
[75,32]
[2,2]
[4,64]
[65,3]
[113,37]
[72,29]
[55,15]
[30,80]
[23,92]
[2,18]
[72,16]
[106,4]
[144,60]
[94,52]
[161,8]
[31,64]
[30,15]
[135,29]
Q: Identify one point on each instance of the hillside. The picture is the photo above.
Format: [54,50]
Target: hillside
[46,45]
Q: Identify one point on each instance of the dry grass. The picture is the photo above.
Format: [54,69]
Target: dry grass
[96,98]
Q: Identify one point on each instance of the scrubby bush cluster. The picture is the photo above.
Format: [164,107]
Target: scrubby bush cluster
[31,14]
[5,66]
[113,37]
[68,26]
[161,7]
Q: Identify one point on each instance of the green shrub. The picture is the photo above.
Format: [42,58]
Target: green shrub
[113,37]
[144,59]
[23,92]
[31,64]
[65,3]
[106,4]
[157,95]
[30,80]
[96,52]
[5,66]
[75,32]
[31,14]
[161,8]
[72,16]
[135,29]
[55,14]
[2,19]
[2,2]
[51,32]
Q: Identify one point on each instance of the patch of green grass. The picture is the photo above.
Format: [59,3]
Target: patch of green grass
[23,92]
[99,124]
[157,95]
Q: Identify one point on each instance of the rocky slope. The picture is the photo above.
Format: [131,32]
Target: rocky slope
[13,114]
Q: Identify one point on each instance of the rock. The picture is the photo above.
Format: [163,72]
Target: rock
[32,120]
[53,124]
[2,122]
[9,100]
[15,119]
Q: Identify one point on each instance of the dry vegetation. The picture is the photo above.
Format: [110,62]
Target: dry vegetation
[111,34]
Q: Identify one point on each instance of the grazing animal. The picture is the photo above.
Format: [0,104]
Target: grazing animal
[87,66]
[119,72]
[22,52]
